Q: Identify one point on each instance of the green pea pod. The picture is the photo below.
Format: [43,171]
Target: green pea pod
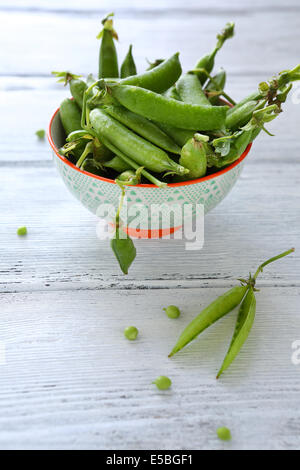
[143,127]
[215,86]
[243,327]
[140,150]
[208,61]
[232,146]
[216,310]
[180,136]
[158,79]
[77,86]
[158,108]
[128,67]
[108,59]
[70,116]
[255,96]
[132,164]
[236,149]
[240,115]
[117,164]
[255,133]
[123,247]
[193,156]
[190,90]
[124,251]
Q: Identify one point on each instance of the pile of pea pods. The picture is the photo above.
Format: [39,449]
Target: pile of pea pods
[162,125]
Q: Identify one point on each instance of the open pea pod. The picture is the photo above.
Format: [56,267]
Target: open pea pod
[243,327]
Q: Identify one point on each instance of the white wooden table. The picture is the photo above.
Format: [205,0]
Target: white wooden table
[69,379]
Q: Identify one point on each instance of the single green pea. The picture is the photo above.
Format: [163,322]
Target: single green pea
[131,333]
[172,311]
[22,231]
[40,133]
[224,434]
[162,382]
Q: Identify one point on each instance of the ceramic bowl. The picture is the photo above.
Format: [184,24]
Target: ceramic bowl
[95,192]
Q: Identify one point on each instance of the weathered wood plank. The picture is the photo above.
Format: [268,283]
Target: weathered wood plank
[147,6]
[257,46]
[259,218]
[72,381]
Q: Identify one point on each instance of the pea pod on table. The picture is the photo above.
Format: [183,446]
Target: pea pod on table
[223,305]
[128,67]
[108,59]
[216,310]
[168,111]
[243,326]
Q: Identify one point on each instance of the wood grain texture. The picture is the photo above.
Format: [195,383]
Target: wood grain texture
[51,40]
[62,245]
[70,379]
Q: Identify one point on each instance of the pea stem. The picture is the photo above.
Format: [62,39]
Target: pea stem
[88,149]
[222,92]
[120,204]
[85,121]
[261,266]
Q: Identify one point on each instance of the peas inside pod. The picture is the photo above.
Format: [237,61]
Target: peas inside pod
[161,125]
